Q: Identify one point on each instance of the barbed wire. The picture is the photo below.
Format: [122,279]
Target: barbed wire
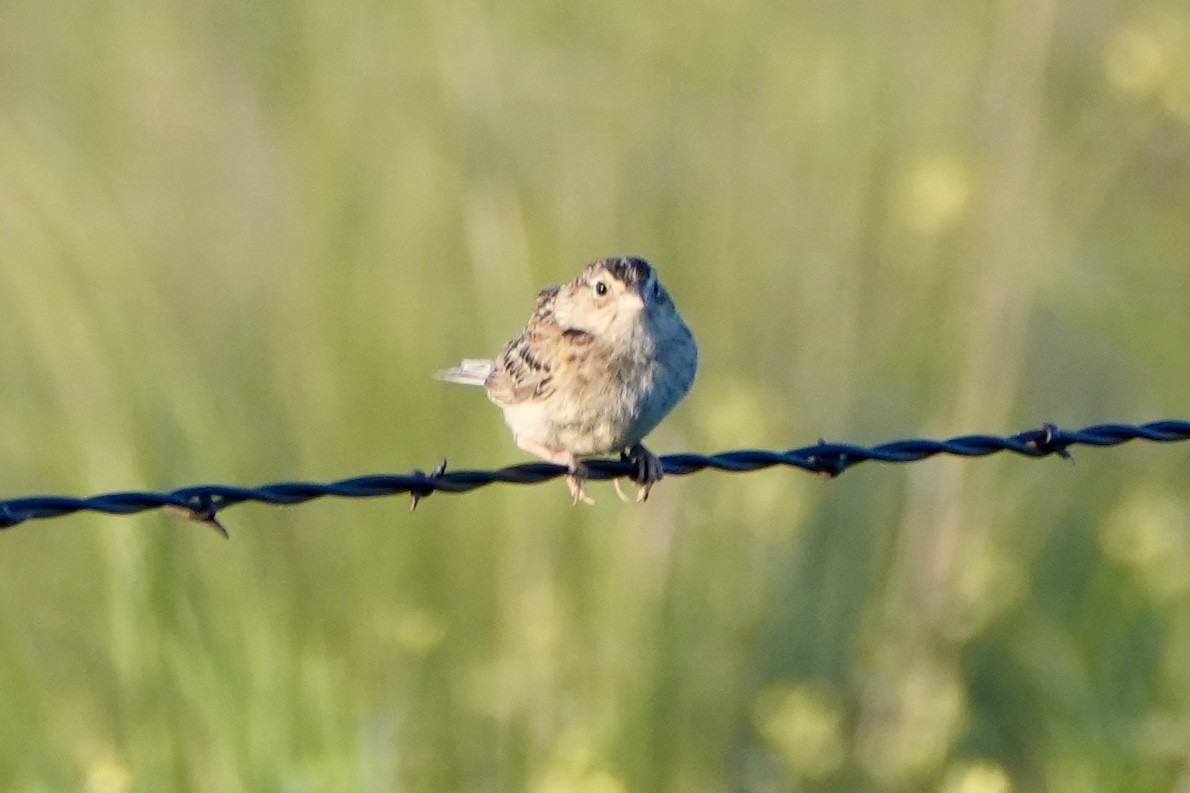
[204,502]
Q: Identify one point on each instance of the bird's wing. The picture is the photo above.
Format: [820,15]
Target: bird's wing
[526,368]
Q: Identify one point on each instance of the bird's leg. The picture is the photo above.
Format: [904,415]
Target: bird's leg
[648,471]
[578,471]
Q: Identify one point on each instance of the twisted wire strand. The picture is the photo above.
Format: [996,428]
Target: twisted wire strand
[204,502]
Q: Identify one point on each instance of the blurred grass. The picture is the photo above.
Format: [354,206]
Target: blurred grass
[236,240]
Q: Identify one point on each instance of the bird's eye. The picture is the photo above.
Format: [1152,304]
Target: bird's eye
[600,288]
[656,289]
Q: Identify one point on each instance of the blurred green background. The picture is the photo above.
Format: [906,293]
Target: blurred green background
[237,239]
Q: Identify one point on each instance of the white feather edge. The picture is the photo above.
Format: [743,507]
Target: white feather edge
[472,371]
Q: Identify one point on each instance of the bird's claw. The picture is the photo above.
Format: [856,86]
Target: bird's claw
[649,472]
[574,481]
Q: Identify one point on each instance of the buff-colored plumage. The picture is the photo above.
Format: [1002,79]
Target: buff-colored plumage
[600,363]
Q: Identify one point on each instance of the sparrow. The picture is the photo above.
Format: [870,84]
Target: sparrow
[602,360]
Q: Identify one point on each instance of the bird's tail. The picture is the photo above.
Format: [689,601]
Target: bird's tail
[472,371]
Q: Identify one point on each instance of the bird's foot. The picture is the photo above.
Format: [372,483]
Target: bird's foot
[574,480]
[648,472]
[577,474]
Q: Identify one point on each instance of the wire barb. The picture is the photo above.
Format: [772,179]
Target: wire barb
[202,503]
[204,511]
[416,494]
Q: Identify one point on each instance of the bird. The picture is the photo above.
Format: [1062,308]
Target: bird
[602,360]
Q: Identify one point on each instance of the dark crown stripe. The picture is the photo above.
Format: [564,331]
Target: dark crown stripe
[628,269]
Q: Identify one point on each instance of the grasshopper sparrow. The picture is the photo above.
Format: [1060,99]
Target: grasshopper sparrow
[600,363]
